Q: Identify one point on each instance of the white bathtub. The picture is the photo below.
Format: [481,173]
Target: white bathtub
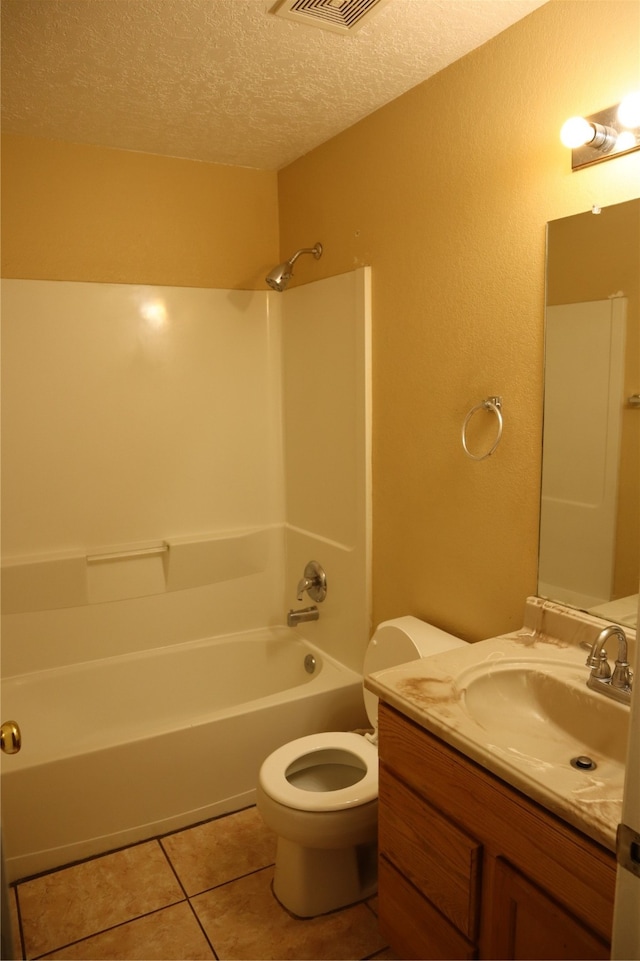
[125,748]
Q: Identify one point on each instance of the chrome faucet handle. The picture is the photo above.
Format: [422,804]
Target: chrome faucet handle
[314,583]
[622,677]
[303,586]
[600,666]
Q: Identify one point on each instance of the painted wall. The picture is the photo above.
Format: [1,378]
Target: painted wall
[446,192]
[75,212]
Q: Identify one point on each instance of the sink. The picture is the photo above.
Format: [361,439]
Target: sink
[519,706]
[544,711]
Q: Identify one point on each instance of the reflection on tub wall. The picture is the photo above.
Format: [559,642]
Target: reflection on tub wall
[140,418]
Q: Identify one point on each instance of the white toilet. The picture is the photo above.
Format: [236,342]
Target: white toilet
[320,793]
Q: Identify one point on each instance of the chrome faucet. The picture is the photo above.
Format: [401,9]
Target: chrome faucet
[305,614]
[314,583]
[618,684]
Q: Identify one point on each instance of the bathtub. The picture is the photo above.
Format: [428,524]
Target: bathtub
[126,748]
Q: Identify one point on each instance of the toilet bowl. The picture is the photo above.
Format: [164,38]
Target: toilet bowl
[319,793]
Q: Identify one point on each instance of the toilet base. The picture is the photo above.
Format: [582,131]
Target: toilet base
[313,881]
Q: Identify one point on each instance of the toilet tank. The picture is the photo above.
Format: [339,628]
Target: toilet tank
[397,641]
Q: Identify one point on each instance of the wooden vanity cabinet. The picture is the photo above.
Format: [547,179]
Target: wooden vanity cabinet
[471,868]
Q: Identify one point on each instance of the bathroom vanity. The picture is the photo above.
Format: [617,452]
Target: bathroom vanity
[491,844]
[469,867]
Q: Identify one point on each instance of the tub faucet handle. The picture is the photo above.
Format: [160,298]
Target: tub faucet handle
[314,582]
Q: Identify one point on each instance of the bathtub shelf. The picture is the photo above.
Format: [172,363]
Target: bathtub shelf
[120,572]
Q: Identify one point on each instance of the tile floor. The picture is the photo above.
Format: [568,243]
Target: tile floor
[203,892]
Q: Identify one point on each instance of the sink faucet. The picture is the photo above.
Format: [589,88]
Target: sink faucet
[619,684]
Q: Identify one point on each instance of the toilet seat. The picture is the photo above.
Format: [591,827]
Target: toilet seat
[351,746]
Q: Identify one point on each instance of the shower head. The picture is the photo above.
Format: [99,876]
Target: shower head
[279,277]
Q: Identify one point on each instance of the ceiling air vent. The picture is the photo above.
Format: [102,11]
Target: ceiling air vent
[340,16]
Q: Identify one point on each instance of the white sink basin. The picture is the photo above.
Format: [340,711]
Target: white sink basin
[544,710]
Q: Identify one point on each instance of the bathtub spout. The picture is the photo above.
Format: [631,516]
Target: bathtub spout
[305,614]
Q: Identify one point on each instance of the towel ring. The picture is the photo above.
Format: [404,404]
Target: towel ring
[493,404]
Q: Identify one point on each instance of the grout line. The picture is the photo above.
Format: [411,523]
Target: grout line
[188,897]
[170,863]
[223,884]
[200,925]
[112,927]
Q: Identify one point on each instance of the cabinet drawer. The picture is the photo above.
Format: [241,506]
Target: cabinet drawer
[412,926]
[439,859]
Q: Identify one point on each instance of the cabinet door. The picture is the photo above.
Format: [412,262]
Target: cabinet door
[528,925]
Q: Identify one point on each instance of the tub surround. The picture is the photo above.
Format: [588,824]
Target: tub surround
[427,692]
[167,477]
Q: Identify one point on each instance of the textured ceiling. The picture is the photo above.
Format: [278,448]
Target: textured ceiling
[221,80]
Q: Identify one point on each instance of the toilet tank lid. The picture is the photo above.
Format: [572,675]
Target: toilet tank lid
[400,640]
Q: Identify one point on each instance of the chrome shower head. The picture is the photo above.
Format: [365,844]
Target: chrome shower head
[279,277]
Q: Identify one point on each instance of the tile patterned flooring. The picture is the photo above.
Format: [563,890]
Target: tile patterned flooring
[200,893]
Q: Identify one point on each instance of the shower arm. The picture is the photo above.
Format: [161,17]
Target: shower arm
[316,251]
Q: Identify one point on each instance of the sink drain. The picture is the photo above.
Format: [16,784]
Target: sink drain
[583,763]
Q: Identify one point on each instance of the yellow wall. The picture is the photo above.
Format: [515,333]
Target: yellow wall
[75,212]
[446,192]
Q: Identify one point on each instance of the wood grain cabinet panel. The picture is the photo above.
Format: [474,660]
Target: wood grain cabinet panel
[413,925]
[481,869]
[531,926]
[440,860]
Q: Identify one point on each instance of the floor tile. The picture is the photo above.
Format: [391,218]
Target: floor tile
[172,934]
[221,850]
[86,898]
[244,921]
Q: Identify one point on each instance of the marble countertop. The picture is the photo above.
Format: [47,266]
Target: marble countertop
[521,748]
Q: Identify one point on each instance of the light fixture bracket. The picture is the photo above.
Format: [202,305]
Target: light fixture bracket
[602,147]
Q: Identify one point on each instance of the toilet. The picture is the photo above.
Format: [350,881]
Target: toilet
[319,793]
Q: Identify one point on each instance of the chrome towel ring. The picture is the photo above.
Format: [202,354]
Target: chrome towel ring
[493,404]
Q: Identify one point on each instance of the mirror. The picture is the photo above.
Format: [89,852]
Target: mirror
[590,499]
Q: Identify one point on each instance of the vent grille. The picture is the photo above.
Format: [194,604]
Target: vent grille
[340,16]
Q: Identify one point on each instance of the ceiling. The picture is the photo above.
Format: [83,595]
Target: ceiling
[222,81]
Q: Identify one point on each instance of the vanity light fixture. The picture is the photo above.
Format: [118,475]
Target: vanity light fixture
[603,135]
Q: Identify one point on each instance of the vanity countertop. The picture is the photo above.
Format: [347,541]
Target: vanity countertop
[520,746]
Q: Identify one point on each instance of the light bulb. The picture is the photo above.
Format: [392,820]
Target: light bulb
[629,110]
[576,131]
[625,141]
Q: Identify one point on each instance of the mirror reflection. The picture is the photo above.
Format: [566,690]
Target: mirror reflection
[590,500]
